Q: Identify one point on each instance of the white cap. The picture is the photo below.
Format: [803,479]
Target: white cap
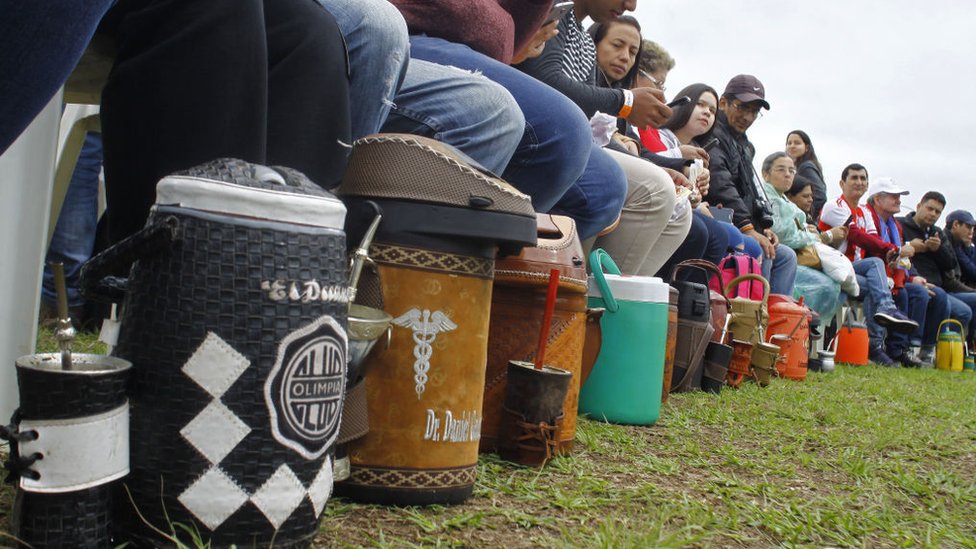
[647,289]
[885,185]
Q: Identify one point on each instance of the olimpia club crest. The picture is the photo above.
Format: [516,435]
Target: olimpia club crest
[305,388]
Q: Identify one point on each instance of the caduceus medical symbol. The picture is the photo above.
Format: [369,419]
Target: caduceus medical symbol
[425,326]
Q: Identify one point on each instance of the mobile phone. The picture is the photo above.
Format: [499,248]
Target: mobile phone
[559,9]
[683,100]
[721,214]
[711,143]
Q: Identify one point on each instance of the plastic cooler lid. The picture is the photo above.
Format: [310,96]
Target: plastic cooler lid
[645,289]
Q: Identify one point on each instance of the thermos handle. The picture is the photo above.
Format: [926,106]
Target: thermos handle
[98,281]
[599,260]
[950,320]
[749,276]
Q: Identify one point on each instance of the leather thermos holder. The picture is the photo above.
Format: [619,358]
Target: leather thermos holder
[517,307]
[672,341]
[694,329]
[444,221]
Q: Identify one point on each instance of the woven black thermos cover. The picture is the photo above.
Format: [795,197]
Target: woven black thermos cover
[236,330]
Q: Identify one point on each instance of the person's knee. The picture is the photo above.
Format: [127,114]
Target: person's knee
[785,256]
[374,22]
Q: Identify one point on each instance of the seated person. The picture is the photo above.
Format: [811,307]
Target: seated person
[800,149]
[41,44]
[615,43]
[918,300]
[555,161]
[734,184]
[801,194]
[178,96]
[647,236]
[959,232]
[689,127]
[790,227]
[865,248]
[936,261]
[654,64]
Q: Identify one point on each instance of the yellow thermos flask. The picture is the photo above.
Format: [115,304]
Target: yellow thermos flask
[948,347]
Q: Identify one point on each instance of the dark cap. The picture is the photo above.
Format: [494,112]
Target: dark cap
[747,88]
[960,215]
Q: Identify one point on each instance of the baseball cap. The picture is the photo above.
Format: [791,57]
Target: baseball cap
[885,185]
[960,215]
[747,88]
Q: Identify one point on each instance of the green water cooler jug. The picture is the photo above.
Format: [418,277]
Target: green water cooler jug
[625,385]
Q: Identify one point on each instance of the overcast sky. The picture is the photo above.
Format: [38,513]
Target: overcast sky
[889,84]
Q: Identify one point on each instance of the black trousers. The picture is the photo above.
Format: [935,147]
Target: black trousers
[261,80]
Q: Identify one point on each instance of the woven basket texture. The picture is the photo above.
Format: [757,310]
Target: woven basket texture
[211,282]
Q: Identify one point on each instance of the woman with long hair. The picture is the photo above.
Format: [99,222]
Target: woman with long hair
[691,126]
[648,233]
[618,47]
[800,149]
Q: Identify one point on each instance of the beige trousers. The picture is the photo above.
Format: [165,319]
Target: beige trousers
[645,238]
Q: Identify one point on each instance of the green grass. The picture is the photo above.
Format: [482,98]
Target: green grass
[862,457]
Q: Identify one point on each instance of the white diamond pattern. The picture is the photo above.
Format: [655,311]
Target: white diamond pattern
[215,431]
[321,487]
[215,365]
[213,498]
[279,496]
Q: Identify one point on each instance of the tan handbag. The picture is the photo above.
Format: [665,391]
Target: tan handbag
[808,257]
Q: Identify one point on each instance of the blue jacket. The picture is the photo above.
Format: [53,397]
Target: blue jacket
[966,256]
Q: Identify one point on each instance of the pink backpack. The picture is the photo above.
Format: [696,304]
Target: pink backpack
[733,265]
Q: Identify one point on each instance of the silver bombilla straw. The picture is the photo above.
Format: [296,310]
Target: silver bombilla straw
[65,333]
[361,256]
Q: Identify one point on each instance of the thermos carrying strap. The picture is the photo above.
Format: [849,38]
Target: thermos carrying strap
[749,276]
[99,279]
[599,260]
[950,321]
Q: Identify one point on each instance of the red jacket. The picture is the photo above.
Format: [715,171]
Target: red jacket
[897,274]
[496,28]
[862,238]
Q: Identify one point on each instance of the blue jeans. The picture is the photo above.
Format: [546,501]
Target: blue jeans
[781,271]
[379,52]
[912,300]
[969,300]
[707,239]
[40,44]
[737,241]
[594,200]
[873,280]
[468,112]
[554,153]
[938,310]
[74,234]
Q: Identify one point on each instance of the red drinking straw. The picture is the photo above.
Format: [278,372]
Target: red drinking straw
[547,317]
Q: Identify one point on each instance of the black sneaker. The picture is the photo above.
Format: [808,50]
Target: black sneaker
[881,358]
[894,320]
[906,360]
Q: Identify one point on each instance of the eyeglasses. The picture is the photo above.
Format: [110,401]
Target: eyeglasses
[658,85]
[754,111]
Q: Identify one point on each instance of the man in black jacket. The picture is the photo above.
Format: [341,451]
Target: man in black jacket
[734,184]
[959,230]
[935,259]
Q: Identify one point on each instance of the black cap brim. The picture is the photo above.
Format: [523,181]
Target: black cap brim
[750,97]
